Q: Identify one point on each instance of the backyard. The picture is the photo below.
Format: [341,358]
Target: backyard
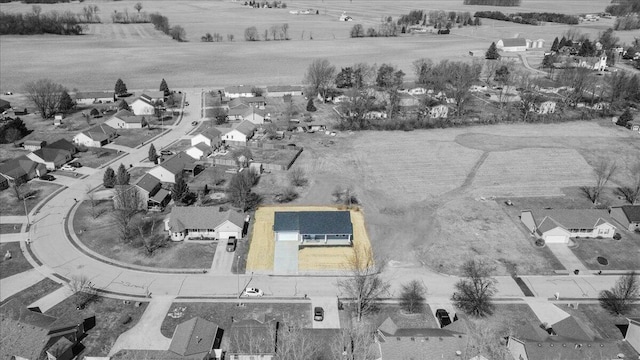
[177,255]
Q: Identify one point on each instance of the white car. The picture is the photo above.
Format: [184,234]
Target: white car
[67,167]
[253,292]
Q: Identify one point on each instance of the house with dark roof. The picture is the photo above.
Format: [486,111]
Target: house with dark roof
[203,222]
[96,136]
[31,335]
[314,228]
[627,215]
[513,44]
[52,158]
[63,144]
[4,105]
[196,339]
[212,137]
[177,165]
[21,169]
[252,339]
[240,134]
[284,90]
[233,92]
[147,194]
[559,225]
[125,119]
[143,105]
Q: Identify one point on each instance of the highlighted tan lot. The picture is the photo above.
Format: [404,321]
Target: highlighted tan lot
[318,258]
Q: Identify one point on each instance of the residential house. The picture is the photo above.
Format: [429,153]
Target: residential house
[211,137]
[512,45]
[311,228]
[168,170]
[597,63]
[239,134]
[125,119]
[632,336]
[236,112]
[94,97]
[401,338]
[196,339]
[21,169]
[33,145]
[153,95]
[557,226]
[63,144]
[203,222]
[52,158]
[284,90]
[628,216]
[252,339]
[143,105]
[256,101]
[417,91]
[96,136]
[32,335]
[254,115]
[233,92]
[4,105]
[147,194]
[568,339]
[199,151]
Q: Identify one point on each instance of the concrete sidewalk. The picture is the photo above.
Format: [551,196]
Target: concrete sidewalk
[52,299]
[13,219]
[545,311]
[7,238]
[14,284]
[145,335]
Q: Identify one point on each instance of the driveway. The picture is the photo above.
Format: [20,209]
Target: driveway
[568,259]
[222,259]
[331,317]
[545,311]
[52,299]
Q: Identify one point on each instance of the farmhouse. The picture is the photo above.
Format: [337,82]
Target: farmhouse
[210,137]
[125,119]
[33,145]
[143,105]
[282,90]
[22,169]
[514,44]
[557,226]
[309,228]
[175,166]
[233,92]
[94,97]
[96,136]
[195,339]
[239,134]
[195,223]
[627,215]
[52,158]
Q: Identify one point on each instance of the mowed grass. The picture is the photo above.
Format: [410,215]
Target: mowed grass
[138,53]
[10,205]
[17,264]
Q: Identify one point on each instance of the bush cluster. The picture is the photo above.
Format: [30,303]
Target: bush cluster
[529,18]
[624,8]
[65,23]
[493,2]
[12,130]
[627,22]
[161,22]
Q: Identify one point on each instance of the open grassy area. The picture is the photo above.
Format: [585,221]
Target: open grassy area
[113,317]
[17,264]
[35,292]
[10,205]
[96,157]
[224,313]
[622,254]
[135,137]
[10,228]
[92,232]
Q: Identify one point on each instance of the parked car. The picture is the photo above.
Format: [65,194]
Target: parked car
[67,167]
[231,244]
[443,317]
[47,177]
[76,164]
[194,123]
[166,152]
[8,93]
[318,313]
[252,292]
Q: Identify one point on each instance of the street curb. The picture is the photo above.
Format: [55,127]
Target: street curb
[113,160]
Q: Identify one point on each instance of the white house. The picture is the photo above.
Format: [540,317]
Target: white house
[167,171]
[186,222]
[211,137]
[282,90]
[143,105]
[33,145]
[597,63]
[254,115]
[94,97]
[199,151]
[557,226]
[311,228]
[514,44]
[233,92]
[125,119]
[96,136]
[239,134]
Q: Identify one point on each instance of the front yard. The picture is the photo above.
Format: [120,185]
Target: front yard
[101,236]
[623,254]
[34,292]
[17,264]
[135,137]
[96,157]
[11,206]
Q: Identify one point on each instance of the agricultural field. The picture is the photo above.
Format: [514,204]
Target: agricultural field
[139,54]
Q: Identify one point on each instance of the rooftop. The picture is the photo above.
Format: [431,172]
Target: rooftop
[195,336]
[571,218]
[314,222]
[201,217]
[632,212]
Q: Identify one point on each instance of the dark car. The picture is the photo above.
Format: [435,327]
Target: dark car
[443,317]
[194,123]
[318,313]
[75,164]
[47,177]
[231,244]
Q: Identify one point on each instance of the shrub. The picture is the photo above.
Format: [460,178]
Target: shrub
[540,242]
[617,236]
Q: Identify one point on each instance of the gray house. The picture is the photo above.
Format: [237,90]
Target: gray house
[310,228]
[627,215]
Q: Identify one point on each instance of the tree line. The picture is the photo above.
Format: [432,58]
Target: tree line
[623,8]
[627,22]
[493,2]
[161,22]
[437,18]
[36,22]
[274,32]
[532,18]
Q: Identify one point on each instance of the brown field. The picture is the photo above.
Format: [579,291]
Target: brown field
[142,56]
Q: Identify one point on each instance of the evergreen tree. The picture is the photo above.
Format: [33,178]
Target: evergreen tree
[180,190]
[122,176]
[310,106]
[66,103]
[492,52]
[123,105]
[625,118]
[121,87]
[562,43]
[164,87]
[587,49]
[153,155]
[109,178]
[555,45]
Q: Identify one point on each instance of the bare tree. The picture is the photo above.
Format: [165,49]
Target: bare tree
[138,7]
[45,95]
[294,342]
[475,290]
[486,340]
[412,297]
[631,193]
[150,241]
[620,298]
[364,284]
[126,203]
[345,196]
[603,171]
[355,342]
[320,76]
[93,202]
[83,291]
[297,177]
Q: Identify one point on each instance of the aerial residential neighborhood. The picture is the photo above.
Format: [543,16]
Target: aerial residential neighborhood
[389,180]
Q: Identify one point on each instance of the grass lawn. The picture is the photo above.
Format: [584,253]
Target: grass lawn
[17,264]
[135,137]
[10,228]
[96,157]
[622,254]
[600,321]
[223,313]
[113,317]
[35,292]
[178,146]
[173,255]
[10,205]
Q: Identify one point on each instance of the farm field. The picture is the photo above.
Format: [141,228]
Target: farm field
[139,54]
